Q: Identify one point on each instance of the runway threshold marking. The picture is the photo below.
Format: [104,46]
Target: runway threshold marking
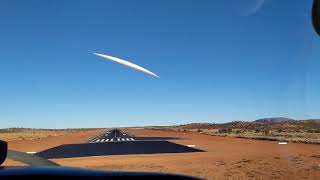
[112,136]
[95,139]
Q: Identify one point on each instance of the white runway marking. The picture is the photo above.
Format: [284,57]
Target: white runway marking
[283,143]
[191,145]
[31,152]
[108,137]
[96,138]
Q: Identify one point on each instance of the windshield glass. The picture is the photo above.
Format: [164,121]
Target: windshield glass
[211,89]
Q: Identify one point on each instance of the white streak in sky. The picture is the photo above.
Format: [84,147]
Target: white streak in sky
[127,63]
[256,7]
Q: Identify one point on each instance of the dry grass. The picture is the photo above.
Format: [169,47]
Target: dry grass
[13,134]
[304,131]
[314,139]
[303,137]
[300,136]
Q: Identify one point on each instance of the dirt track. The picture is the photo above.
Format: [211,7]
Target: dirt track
[226,158]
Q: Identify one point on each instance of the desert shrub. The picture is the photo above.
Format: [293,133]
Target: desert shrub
[238,131]
[310,131]
[257,131]
[266,131]
[225,130]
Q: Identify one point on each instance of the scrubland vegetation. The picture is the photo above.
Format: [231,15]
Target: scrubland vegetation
[299,131]
[11,134]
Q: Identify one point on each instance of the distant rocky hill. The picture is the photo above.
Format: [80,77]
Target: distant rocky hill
[274,120]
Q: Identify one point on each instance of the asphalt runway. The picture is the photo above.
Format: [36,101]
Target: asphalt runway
[113,135]
[116,135]
[116,142]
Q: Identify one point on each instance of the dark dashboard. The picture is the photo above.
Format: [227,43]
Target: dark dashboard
[78,173]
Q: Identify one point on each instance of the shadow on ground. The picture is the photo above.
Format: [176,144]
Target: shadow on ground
[157,138]
[115,148]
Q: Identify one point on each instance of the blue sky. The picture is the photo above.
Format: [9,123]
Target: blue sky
[218,61]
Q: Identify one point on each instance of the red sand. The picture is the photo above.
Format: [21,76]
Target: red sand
[225,158]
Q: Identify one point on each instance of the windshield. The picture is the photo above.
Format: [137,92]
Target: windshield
[211,89]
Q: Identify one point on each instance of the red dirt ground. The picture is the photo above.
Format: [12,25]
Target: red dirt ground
[225,158]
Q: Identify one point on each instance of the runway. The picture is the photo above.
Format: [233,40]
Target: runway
[116,142]
[113,135]
[116,135]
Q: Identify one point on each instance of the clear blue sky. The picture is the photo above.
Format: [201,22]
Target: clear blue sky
[218,60]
